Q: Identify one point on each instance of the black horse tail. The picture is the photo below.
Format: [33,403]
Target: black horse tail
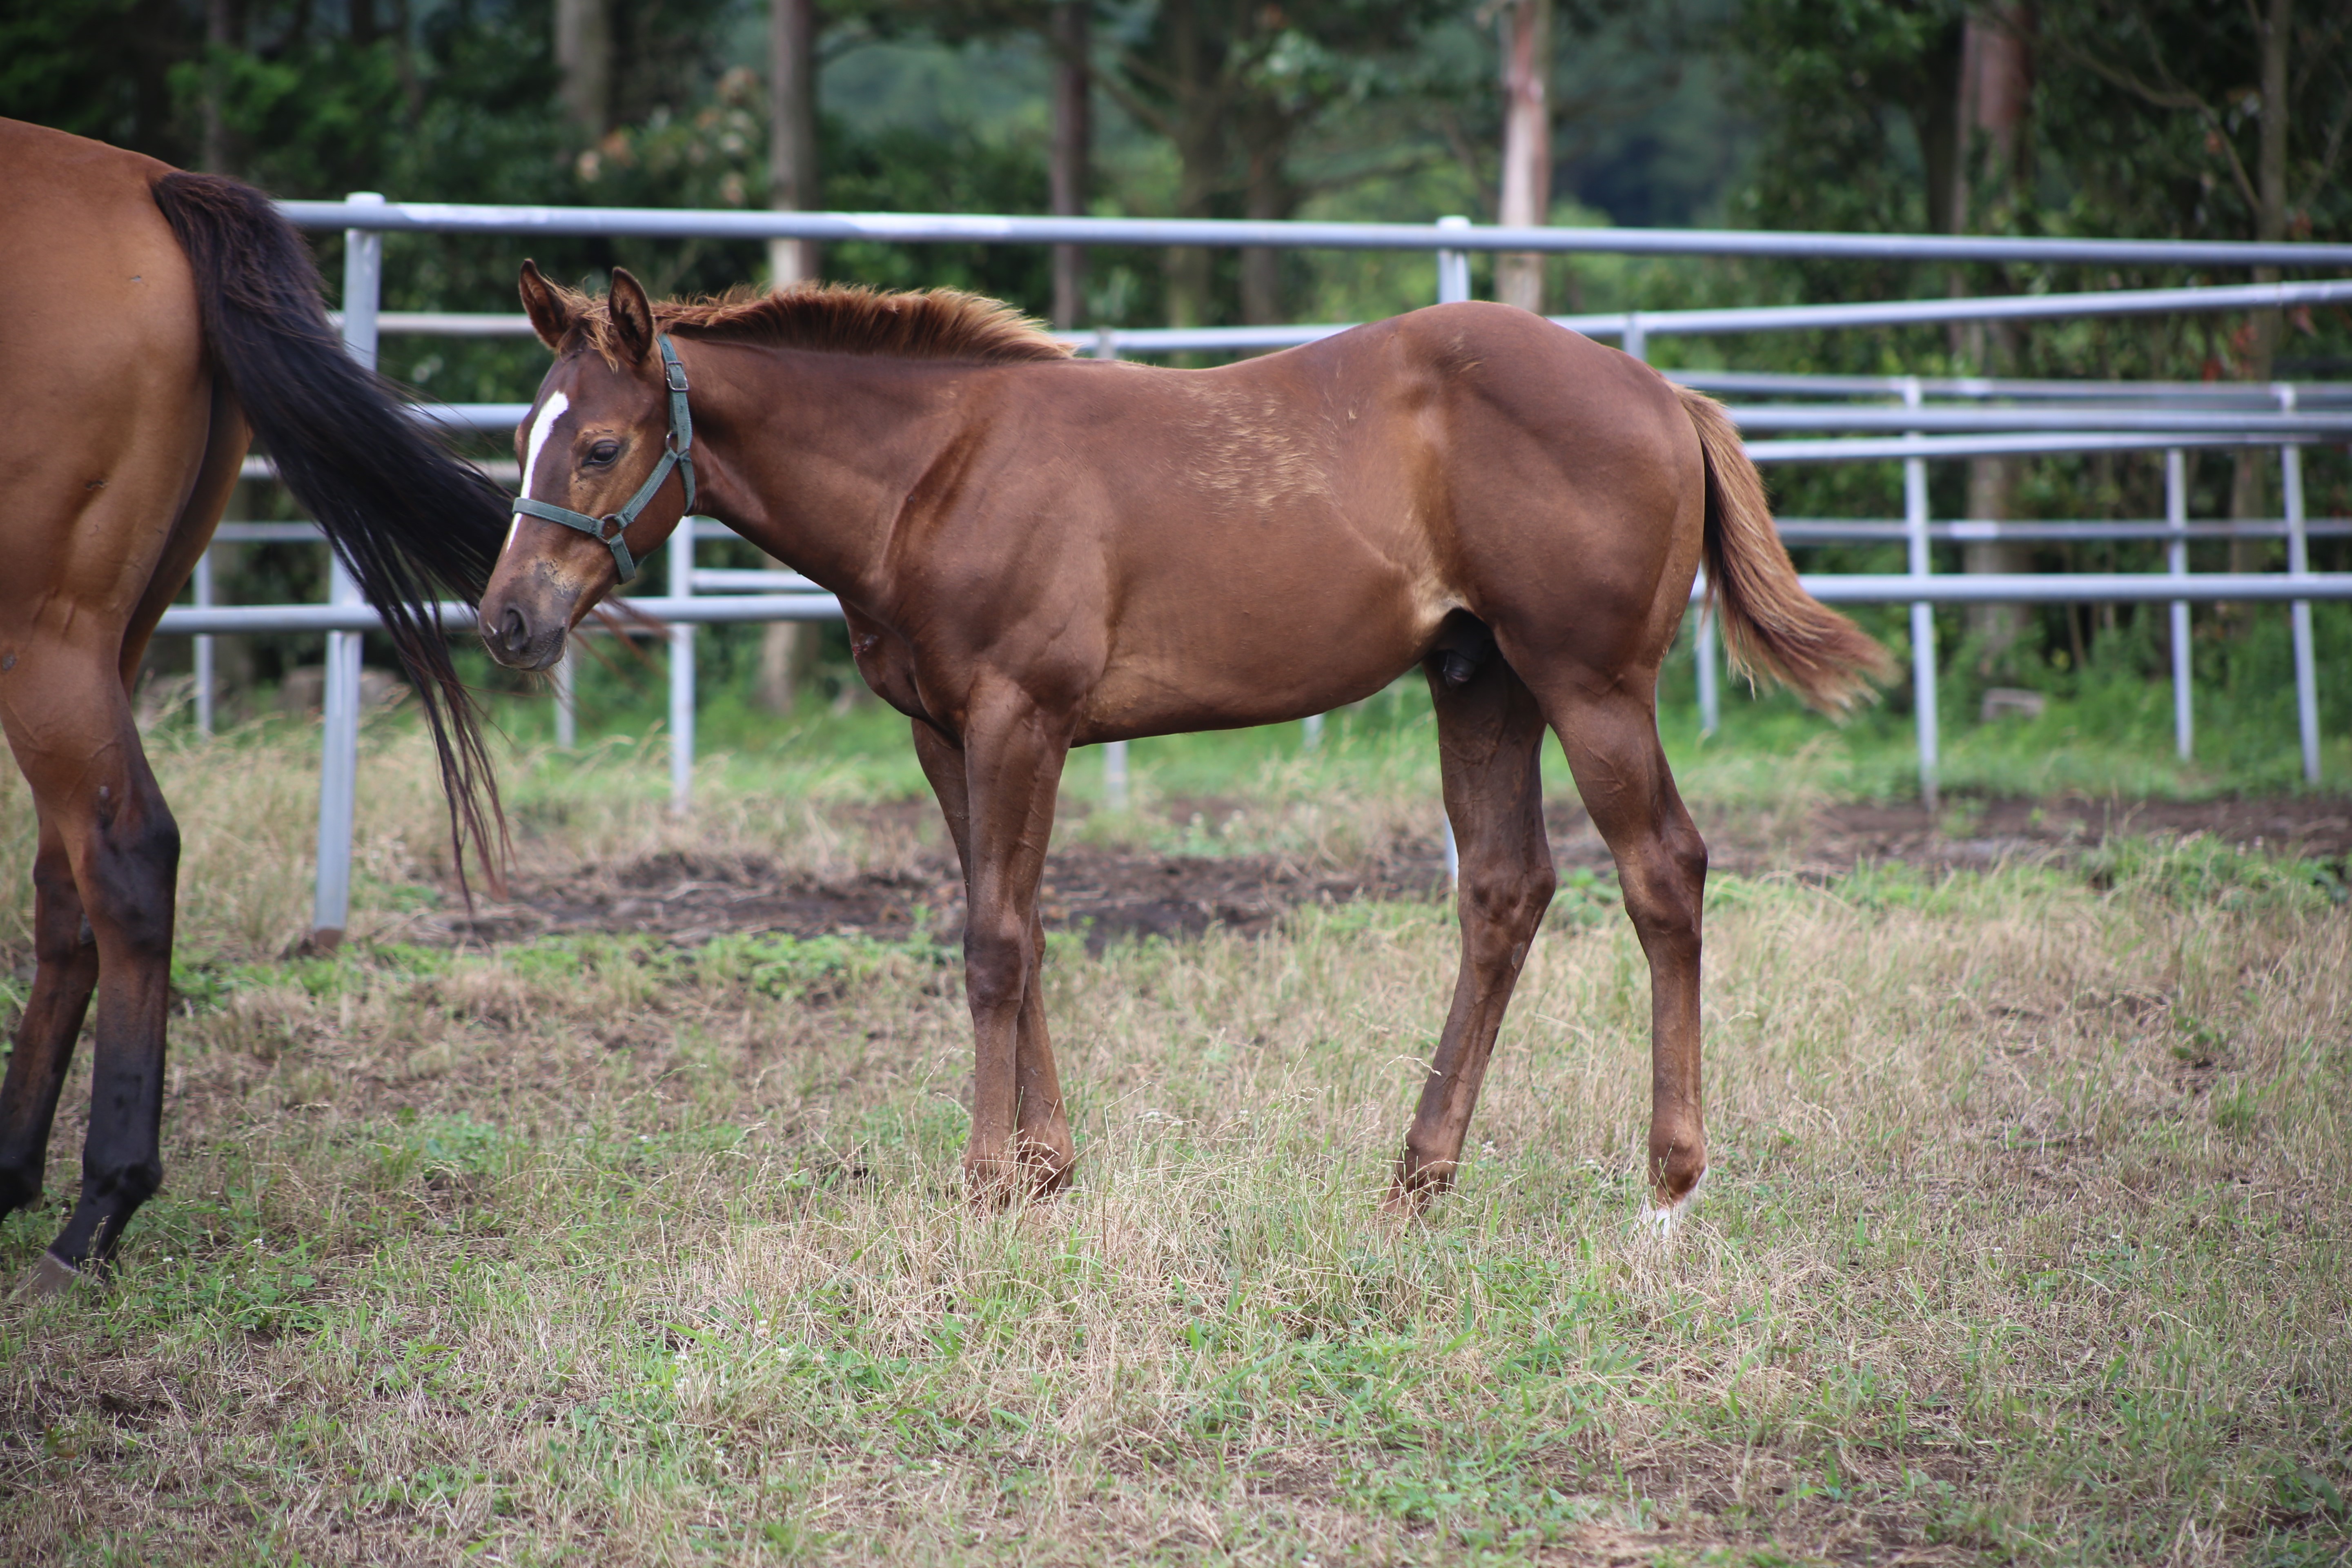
[412,522]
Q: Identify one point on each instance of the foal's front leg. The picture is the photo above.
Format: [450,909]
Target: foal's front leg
[1003,797]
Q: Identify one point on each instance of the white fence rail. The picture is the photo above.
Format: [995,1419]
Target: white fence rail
[2031,417]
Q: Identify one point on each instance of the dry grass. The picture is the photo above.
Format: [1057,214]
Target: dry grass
[2025,1239]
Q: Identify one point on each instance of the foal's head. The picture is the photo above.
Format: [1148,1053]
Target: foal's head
[607,468]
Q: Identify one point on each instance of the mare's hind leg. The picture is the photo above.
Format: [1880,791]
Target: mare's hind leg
[1611,740]
[65,954]
[1040,1122]
[68,722]
[1490,741]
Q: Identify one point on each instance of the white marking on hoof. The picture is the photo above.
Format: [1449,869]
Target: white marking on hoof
[1663,1219]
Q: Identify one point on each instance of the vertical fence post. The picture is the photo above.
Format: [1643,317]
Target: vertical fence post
[1923,614]
[1453,286]
[2175,561]
[339,761]
[1453,267]
[565,676]
[1634,338]
[2298,563]
[1114,751]
[681,673]
[204,646]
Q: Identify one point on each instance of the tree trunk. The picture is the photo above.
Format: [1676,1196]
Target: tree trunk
[2249,488]
[1073,152]
[787,650]
[1197,110]
[1526,195]
[788,647]
[1996,90]
[583,63]
[792,177]
[1269,199]
[223,30]
[404,47]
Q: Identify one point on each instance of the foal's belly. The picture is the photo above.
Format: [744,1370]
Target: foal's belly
[1258,642]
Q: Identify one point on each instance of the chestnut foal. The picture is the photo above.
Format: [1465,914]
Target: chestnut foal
[1036,552]
[156,320]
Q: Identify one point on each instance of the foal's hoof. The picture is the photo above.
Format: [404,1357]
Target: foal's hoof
[50,1277]
[1035,1172]
[1665,1213]
[1414,1187]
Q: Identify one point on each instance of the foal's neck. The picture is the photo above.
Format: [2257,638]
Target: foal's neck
[812,456]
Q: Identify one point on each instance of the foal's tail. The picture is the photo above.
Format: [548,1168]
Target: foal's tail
[1770,624]
[411,521]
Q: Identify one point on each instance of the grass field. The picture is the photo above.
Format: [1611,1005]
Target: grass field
[2025,1239]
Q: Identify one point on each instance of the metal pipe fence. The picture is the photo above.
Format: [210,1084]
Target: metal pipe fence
[2030,417]
[1635,327]
[1446,235]
[2224,426]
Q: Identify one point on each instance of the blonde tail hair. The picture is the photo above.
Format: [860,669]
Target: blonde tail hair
[1771,627]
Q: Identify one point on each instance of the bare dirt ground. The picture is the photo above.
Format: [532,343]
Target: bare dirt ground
[1105,893]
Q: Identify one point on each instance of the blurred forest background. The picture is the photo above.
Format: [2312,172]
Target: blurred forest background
[2161,119]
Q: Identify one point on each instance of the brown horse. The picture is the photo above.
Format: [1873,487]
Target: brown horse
[1036,552]
[153,320]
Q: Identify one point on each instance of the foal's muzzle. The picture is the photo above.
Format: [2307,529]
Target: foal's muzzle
[524,629]
[511,639]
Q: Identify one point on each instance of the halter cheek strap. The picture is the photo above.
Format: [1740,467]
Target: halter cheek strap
[677,452]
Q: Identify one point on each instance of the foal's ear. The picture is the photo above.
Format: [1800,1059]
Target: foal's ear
[632,315]
[552,315]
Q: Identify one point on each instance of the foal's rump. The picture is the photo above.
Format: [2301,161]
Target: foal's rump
[1575,488]
[1582,490]
[1294,532]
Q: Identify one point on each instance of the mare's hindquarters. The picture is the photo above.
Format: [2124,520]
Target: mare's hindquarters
[121,456]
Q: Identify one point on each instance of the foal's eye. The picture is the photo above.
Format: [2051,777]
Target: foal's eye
[604,452]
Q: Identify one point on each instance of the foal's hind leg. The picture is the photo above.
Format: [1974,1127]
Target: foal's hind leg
[1041,1123]
[1611,742]
[1490,741]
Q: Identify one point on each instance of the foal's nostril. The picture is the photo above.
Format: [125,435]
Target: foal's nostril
[513,635]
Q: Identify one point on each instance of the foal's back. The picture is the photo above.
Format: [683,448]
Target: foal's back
[1289,533]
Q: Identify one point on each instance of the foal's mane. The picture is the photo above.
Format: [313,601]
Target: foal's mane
[850,319]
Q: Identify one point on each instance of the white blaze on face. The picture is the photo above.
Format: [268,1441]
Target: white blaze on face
[541,429]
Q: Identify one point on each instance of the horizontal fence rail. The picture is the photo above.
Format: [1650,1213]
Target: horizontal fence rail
[1793,530]
[1803,530]
[2243,428]
[658,612]
[2121,393]
[916,229]
[1831,588]
[1107,342]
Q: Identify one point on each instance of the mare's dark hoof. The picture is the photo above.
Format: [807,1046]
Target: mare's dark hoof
[49,1278]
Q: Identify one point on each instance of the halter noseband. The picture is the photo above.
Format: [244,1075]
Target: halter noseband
[677,452]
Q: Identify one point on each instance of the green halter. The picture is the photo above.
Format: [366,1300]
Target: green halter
[677,452]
